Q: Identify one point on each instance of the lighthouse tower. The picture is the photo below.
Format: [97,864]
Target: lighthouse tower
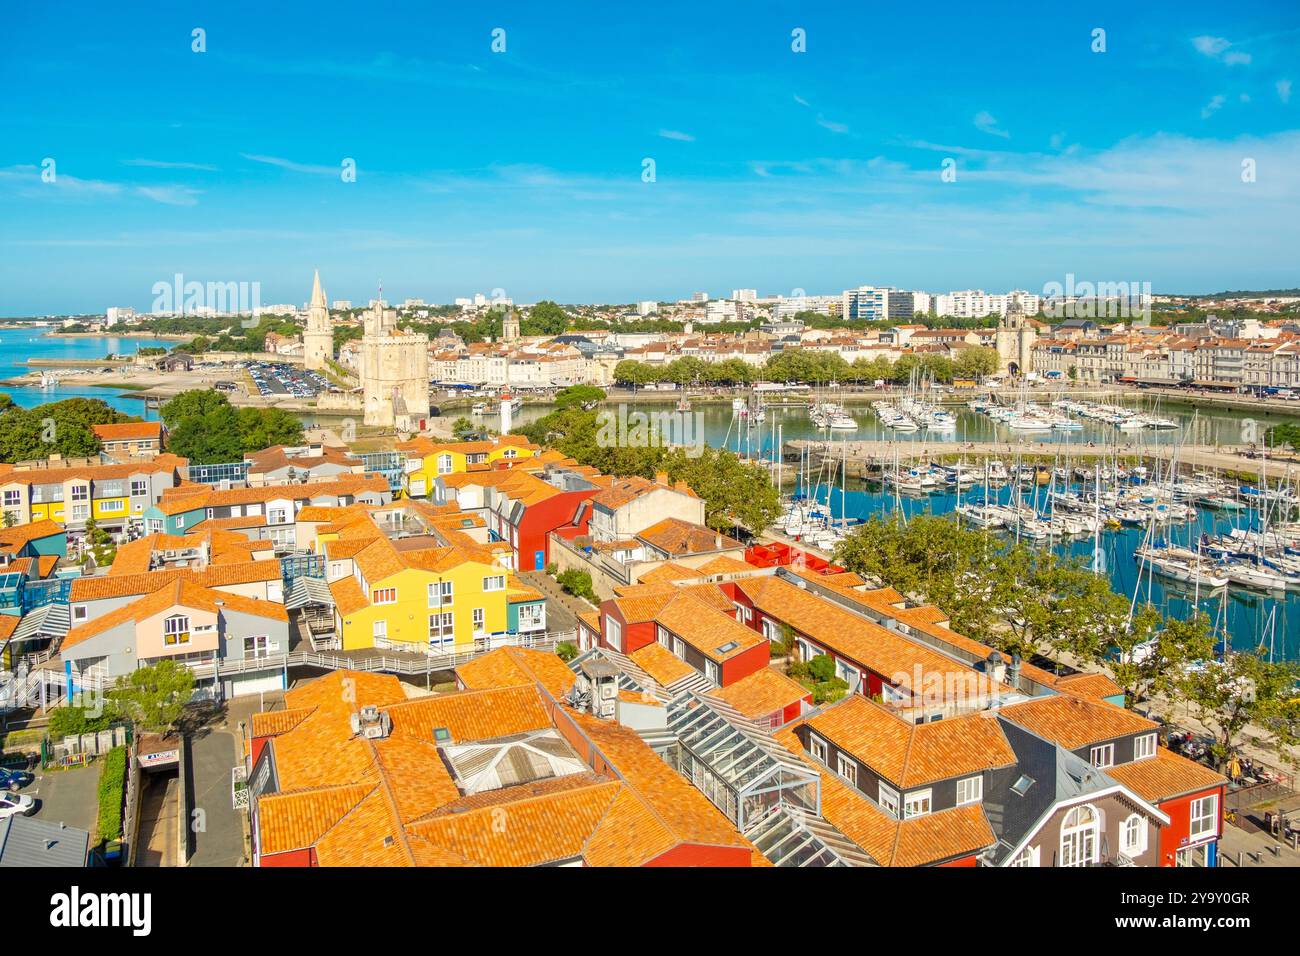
[507,413]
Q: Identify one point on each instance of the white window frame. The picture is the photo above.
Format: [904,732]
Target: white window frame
[1083,840]
[663,637]
[925,799]
[441,594]
[614,633]
[817,747]
[1133,835]
[495,582]
[478,618]
[176,627]
[974,787]
[847,769]
[1029,856]
[379,630]
[1102,756]
[445,628]
[1200,823]
[712,671]
[887,798]
[1144,747]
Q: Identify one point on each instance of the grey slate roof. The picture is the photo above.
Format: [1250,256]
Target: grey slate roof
[28,842]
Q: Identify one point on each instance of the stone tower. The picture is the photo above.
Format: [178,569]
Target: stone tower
[1015,338]
[394,372]
[510,327]
[318,339]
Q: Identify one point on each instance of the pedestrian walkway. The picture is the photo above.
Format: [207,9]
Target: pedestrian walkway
[562,608]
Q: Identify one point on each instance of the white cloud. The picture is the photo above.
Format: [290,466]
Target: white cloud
[164,164]
[170,195]
[291,165]
[1284,90]
[1212,107]
[1220,48]
[986,122]
[1210,46]
[677,135]
[831,125]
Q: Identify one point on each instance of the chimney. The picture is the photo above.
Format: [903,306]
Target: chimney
[1013,671]
[717,542]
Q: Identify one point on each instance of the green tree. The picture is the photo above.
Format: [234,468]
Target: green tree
[545,318]
[154,697]
[579,396]
[1245,690]
[1153,654]
[461,428]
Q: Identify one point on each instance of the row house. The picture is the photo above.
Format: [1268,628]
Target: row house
[524,507]
[130,439]
[394,584]
[428,460]
[116,496]
[209,631]
[271,509]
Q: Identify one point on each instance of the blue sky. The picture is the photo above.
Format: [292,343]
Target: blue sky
[522,170]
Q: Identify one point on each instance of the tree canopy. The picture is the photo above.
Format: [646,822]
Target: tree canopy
[205,428]
[65,428]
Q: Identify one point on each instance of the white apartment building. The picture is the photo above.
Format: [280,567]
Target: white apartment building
[976,303]
[744,295]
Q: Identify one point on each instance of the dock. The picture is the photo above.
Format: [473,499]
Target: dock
[867,459]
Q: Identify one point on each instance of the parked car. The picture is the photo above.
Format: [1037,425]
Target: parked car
[14,779]
[14,803]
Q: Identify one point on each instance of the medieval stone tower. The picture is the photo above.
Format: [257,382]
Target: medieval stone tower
[318,339]
[394,372]
[510,327]
[1015,338]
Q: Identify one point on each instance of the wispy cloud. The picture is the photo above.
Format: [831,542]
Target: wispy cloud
[291,165]
[677,135]
[986,122]
[170,195]
[1222,49]
[165,164]
[1284,90]
[833,125]
[1212,107]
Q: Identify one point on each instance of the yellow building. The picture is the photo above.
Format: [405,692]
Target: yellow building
[427,459]
[115,495]
[400,579]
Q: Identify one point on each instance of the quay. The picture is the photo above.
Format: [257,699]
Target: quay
[868,458]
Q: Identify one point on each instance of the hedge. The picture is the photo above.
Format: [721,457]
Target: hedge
[112,793]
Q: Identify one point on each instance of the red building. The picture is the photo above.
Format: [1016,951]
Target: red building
[1191,794]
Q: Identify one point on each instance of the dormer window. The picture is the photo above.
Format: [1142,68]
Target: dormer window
[1144,747]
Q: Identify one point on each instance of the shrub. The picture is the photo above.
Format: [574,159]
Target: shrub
[69,721]
[552,569]
[822,668]
[577,583]
[566,651]
[827,692]
[112,792]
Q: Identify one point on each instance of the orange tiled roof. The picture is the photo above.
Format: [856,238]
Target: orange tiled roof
[1075,722]
[762,693]
[661,664]
[676,537]
[13,540]
[512,666]
[880,650]
[1089,685]
[128,431]
[912,755]
[919,841]
[1165,776]
[715,634]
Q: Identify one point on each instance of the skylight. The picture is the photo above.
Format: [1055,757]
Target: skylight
[1022,785]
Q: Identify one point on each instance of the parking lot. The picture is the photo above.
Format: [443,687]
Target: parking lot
[271,378]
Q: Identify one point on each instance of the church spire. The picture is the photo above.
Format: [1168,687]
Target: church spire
[317,293]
